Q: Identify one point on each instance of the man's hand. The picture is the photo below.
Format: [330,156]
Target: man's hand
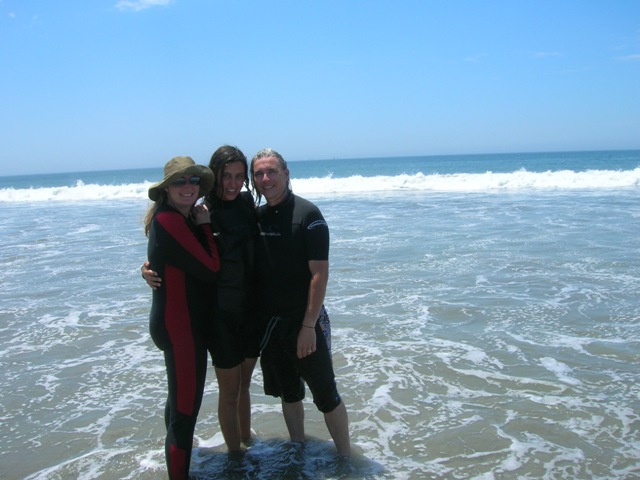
[306,341]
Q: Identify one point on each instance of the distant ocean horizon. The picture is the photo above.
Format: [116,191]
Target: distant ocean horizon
[477,172]
[485,325]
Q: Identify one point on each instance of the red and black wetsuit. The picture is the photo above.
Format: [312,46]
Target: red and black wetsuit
[186,258]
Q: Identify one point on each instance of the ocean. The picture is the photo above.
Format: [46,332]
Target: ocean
[485,316]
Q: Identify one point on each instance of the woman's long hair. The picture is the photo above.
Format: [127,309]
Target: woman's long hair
[151,211]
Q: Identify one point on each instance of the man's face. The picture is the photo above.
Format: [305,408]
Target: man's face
[270,179]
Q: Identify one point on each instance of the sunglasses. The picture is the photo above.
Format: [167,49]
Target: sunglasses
[181,182]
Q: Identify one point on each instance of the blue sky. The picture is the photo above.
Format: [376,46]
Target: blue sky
[111,84]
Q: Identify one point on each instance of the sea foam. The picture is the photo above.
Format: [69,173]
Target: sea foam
[358,184]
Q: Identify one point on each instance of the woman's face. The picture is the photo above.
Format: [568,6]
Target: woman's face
[233,175]
[183,192]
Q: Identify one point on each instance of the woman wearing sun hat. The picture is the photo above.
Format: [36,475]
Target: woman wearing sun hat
[182,250]
[234,339]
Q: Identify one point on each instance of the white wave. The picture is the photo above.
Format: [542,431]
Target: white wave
[79,192]
[473,182]
[457,182]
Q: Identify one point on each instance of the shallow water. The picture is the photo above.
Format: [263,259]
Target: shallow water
[475,336]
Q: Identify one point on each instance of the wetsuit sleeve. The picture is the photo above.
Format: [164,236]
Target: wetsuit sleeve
[183,250]
[316,232]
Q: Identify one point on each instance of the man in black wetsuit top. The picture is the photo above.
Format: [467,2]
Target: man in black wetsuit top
[292,260]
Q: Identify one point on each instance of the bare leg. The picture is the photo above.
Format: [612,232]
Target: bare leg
[294,418]
[229,380]
[338,424]
[244,405]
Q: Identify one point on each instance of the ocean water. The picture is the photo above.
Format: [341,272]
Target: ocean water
[485,316]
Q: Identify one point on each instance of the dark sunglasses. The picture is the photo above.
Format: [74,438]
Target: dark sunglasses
[181,182]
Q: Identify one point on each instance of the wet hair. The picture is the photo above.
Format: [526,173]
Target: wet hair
[224,155]
[264,153]
[151,211]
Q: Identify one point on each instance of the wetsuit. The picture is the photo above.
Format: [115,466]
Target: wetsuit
[292,233]
[234,335]
[186,258]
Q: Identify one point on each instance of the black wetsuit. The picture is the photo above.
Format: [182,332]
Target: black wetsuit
[292,233]
[234,335]
[186,258]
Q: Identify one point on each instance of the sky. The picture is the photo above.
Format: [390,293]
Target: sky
[115,84]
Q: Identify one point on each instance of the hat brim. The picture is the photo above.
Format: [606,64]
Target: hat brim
[206,181]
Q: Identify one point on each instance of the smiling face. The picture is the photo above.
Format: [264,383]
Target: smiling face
[270,179]
[182,194]
[233,176]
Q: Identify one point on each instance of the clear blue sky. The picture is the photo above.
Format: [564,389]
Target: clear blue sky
[110,84]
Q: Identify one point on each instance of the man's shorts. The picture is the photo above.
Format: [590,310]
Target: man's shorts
[285,374]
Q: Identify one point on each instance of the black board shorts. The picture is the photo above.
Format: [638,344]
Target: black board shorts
[284,374]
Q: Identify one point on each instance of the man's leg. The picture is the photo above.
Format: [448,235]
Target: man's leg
[338,424]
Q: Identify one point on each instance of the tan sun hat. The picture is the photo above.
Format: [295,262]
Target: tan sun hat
[177,167]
